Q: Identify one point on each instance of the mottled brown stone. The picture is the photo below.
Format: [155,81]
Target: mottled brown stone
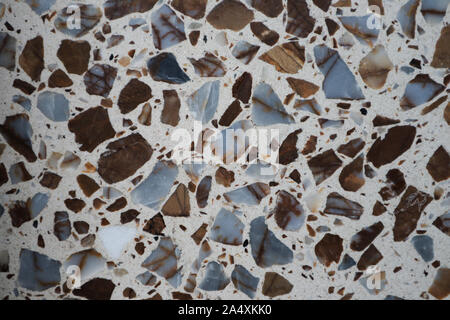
[441,57]
[396,142]
[351,177]
[395,185]
[329,249]
[286,58]
[192,8]
[408,212]
[171,111]
[59,79]
[198,235]
[324,165]
[271,8]
[275,285]
[50,180]
[288,150]
[24,86]
[32,58]
[242,88]
[117,204]
[439,165]
[15,139]
[178,204]
[96,289]
[233,110]
[264,34]
[224,177]
[74,55]
[75,205]
[365,237]
[133,94]
[128,216]
[123,158]
[155,225]
[302,87]
[91,128]
[370,257]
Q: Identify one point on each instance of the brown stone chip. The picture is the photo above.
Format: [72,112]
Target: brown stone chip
[198,235]
[264,34]
[192,8]
[441,58]
[288,150]
[50,180]
[3,175]
[370,257]
[59,79]
[299,23]
[395,185]
[96,289]
[302,87]
[87,185]
[181,295]
[24,86]
[171,111]
[396,142]
[193,37]
[128,216]
[242,88]
[329,249]
[230,14]
[341,206]
[74,55]
[32,58]
[323,4]
[351,177]
[178,204]
[380,121]
[19,143]
[20,213]
[81,227]
[133,94]
[324,165]
[439,165]
[378,209]
[145,118]
[332,26]
[91,128]
[155,225]
[233,110]
[352,148]
[224,177]
[287,58]
[275,285]
[408,212]
[123,158]
[117,205]
[116,9]
[75,205]
[363,238]
[310,145]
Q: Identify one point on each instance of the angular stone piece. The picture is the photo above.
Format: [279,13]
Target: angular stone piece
[116,9]
[123,158]
[275,285]
[132,95]
[99,79]
[329,249]
[286,58]
[164,67]
[32,58]
[230,14]
[74,55]
[37,271]
[227,228]
[341,206]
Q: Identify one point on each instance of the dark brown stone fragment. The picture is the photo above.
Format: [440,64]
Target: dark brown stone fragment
[24,86]
[96,289]
[171,111]
[380,121]
[74,55]
[128,216]
[264,34]
[396,142]
[310,145]
[302,87]
[395,185]
[32,58]
[75,205]
[329,249]
[324,165]
[50,180]
[363,238]
[443,223]
[123,158]
[116,9]
[288,150]
[341,206]
[19,213]
[87,185]
[91,128]
[332,26]
[370,257]
[300,23]
[155,225]
[242,88]
[3,174]
[203,191]
[193,37]
[178,204]
[59,79]
[233,110]
[378,209]
[275,285]
[408,212]
[117,205]
[81,227]
[323,4]
[133,94]
[440,289]
[441,58]
[439,165]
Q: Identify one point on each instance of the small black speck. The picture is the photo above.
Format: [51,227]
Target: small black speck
[363,111]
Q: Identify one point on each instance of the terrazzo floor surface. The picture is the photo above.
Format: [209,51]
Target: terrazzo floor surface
[120,180]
